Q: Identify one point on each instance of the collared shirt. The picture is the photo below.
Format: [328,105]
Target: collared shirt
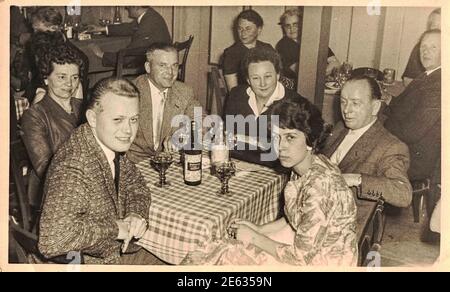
[350,139]
[110,155]
[140,17]
[277,94]
[431,71]
[157,110]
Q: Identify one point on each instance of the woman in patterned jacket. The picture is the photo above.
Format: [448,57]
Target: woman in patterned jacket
[319,226]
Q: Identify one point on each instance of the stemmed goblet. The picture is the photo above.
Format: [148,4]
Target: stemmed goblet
[161,161]
[224,171]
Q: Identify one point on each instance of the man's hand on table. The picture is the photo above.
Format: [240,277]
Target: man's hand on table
[134,226]
[93,28]
[352,179]
[96,50]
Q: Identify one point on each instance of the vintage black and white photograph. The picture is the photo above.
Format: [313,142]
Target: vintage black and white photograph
[255,135]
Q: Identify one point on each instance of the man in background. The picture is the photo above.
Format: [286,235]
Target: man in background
[147,27]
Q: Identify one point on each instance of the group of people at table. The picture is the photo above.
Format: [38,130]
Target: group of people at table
[92,198]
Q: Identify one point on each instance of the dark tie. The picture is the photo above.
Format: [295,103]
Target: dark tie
[117,172]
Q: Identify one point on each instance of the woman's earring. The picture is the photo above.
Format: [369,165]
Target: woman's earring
[46,82]
[308,148]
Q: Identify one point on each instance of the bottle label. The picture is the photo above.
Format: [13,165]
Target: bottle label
[193,168]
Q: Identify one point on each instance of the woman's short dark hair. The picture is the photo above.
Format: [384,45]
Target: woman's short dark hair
[118,86]
[375,90]
[47,15]
[261,54]
[58,54]
[300,114]
[252,16]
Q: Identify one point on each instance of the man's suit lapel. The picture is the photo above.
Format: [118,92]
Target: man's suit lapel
[334,140]
[105,169]
[145,107]
[171,109]
[363,147]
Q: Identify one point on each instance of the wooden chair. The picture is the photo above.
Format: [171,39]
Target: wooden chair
[130,62]
[183,46]
[366,71]
[372,235]
[23,227]
[217,92]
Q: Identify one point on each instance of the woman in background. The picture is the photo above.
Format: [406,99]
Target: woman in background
[289,49]
[47,26]
[249,26]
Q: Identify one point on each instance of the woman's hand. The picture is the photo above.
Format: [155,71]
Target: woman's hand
[236,223]
[243,230]
[245,234]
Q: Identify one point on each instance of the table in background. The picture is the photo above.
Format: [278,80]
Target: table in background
[183,217]
[107,44]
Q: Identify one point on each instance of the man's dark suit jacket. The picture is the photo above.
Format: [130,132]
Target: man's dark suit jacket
[415,118]
[151,29]
[380,158]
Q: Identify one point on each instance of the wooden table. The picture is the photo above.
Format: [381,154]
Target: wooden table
[107,44]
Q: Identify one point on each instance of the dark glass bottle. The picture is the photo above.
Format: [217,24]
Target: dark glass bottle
[117,19]
[192,166]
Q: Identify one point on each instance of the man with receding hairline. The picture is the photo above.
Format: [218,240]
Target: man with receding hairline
[162,98]
[370,158]
[415,118]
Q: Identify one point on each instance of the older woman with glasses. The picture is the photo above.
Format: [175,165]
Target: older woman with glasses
[289,49]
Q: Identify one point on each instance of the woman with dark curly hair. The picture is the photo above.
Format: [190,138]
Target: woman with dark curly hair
[47,124]
[319,226]
[47,27]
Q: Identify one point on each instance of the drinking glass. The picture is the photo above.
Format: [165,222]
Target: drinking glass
[224,171]
[161,161]
[347,68]
[372,73]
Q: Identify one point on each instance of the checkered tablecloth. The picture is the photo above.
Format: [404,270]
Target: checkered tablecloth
[184,217]
[22,104]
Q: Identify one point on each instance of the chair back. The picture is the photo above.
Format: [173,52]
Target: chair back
[130,62]
[185,47]
[369,72]
[217,92]
[18,163]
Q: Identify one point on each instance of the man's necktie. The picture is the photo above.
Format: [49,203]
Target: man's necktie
[117,172]
[159,120]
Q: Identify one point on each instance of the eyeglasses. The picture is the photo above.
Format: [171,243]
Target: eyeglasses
[290,26]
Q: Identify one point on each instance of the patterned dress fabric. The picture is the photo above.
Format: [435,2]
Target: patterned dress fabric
[321,210]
